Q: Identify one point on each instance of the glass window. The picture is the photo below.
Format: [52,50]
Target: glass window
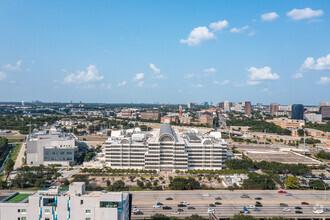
[106,204]
[23,211]
[88,218]
[88,211]
[47,211]
[49,202]
[69,152]
[81,202]
[23,218]
[62,152]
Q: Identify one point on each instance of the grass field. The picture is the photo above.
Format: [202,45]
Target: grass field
[18,198]
[15,140]
[15,151]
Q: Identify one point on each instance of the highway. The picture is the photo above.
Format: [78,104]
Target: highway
[232,203]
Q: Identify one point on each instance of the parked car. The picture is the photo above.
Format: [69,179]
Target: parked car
[182,205]
[159,203]
[218,198]
[206,195]
[211,205]
[218,203]
[175,213]
[185,203]
[180,210]
[298,212]
[258,205]
[305,203]
[245,196]
[288,194]
[283,204]
[250,206]
[257,209]
[286,210]
[258,198]
[191,207]
[169,198]
[297,207]
[281,191]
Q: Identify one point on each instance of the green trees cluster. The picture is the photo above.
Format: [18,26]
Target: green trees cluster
[323,127]
[295,169]
[34,176]
[258,181]
[292,182]
[322,154]
[180,183]
[4,149]
[318,184]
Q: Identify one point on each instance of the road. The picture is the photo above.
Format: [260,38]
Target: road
[19,159]
[232,202]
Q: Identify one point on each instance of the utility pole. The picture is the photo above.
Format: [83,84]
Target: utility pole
[304,141]
[265,138]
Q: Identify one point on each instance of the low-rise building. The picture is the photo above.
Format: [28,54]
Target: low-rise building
[287,123]
[312,117]
[74,204]
[51,146]
[150,115]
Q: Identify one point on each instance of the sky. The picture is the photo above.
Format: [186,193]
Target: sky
[165,51]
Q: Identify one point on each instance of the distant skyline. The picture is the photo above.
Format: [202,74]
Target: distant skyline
[165,51]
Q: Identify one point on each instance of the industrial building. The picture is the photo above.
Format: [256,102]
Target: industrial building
[166,149]
[74,204]
[51,146]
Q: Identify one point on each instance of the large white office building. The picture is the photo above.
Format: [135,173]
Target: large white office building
[74,204]
[51,147]
[166,149]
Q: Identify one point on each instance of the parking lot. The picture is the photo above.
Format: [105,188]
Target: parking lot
[231,203]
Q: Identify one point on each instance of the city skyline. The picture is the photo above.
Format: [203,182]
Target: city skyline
[156,52]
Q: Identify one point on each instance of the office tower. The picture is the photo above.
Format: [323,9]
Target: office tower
[273,108]
[297,111]
[248,108]
[180,110]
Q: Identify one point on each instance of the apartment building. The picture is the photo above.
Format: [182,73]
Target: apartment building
[166,149]
[150,115]
[74,204]
[51,146]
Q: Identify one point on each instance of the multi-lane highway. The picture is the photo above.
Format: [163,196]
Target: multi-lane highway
[232,203]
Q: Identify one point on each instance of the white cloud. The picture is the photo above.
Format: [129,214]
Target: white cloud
[298,14]
[322,63]
[138,76]
[122,83]
[198,36]
[217,26]
[155,85]
[264,73]
[252,33]
[271,16]
[140,84]
[154,68]
[239,30]
[2,75]
[297,76]
[265,90]
[189,75]
[91,75]
[324,80]
[197,85]
[106,86]
[210,70]
[225,82]
[13,68]
[253,83]
[238,84]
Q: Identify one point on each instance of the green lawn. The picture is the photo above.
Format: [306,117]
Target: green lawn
[14,140]
[18,198]
[15,151]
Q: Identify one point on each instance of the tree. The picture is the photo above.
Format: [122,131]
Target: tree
[300,132]
[317,184]
[9,165]
[322,154]
[148,185]
[140,184]
[180,183]
[194,217]
[292,182]
[39,183]
[242,217]
[117,186]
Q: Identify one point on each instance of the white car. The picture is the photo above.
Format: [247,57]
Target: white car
[175,213]
[185,203]
[318,211]
[156,206]
[135,210]
[209,211]
[251,207]
[206,195]
[286,210]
